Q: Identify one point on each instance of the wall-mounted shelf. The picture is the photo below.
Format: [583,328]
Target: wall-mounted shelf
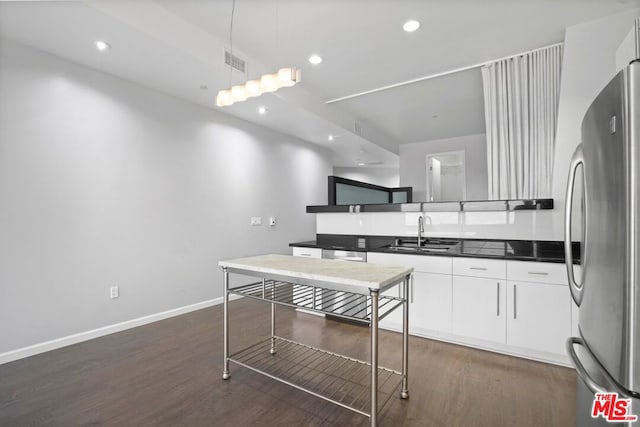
[463,206]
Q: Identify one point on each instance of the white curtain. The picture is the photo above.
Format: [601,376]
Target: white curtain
[521,109]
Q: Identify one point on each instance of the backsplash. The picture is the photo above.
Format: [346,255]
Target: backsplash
[524,225]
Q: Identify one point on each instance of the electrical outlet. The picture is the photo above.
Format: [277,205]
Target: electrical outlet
[272,221]
[114,292]
[256,220]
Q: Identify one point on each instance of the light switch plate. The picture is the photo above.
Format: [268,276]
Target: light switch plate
[272,221]
[256,220]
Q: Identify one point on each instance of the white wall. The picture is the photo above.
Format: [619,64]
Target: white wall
[589,62]
[387,177]
[413,164]
[103,182]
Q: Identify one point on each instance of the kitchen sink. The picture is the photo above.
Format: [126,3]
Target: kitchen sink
[426,246]
[414,249]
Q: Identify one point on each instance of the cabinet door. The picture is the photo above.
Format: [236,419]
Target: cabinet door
[423,263]
[538,316]
[479,308]
[430,297]
[429,304]
[393,320]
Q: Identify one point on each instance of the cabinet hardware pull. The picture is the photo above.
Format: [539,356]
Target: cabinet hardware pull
[305,254]
[498,299]
[539,273]
[478,268]
[352,258]
[514,301]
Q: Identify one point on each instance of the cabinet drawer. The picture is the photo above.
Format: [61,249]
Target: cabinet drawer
[307,252]
[421,263]
[478,267]
[541,272]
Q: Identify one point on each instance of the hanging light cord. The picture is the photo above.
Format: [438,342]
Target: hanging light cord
[233,10]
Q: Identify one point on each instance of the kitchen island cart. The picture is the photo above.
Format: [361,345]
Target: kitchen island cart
[351,291]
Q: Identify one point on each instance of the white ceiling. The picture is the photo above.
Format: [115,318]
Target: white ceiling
[176,46]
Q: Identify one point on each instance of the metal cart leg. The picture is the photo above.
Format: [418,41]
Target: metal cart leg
[273,318]
[404,392]
[225,372]
[374,356]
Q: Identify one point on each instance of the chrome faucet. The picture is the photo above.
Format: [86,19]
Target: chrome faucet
[420,229]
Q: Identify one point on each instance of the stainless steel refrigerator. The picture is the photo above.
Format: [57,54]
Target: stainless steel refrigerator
[607,290]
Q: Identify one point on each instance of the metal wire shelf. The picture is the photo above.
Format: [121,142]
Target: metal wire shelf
[342,304]
[339,379]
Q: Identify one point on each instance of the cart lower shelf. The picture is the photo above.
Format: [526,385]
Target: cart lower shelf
[346,305]
[339,379]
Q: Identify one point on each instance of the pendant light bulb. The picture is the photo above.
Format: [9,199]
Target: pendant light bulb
[239,93]
[224,98]
[253,88]
[269,83]
[288,77]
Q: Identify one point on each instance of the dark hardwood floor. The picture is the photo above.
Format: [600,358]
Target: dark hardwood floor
[169,374]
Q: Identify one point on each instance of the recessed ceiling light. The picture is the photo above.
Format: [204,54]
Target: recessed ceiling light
[315,59]
[101,45]
[361,163]
[411,25]
[331,138]
[262,110]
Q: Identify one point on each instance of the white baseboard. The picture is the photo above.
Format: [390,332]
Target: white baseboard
[32,350]
[539,356]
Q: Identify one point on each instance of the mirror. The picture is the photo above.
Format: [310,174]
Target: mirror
[446,180]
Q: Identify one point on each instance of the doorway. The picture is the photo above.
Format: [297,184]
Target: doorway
[446,180]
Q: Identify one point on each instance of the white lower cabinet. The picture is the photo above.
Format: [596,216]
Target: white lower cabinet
[479,308]
[430,302]
[516,307]
[538,316]
[306,252]
[429,293]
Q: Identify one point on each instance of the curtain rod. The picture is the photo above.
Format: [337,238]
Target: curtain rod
[433,76]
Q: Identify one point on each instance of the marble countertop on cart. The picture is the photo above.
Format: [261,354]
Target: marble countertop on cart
[328,273]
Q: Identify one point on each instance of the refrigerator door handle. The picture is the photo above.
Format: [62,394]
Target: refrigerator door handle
[584,375]
[576,289]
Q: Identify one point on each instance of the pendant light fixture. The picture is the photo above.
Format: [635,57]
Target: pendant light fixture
[284,77]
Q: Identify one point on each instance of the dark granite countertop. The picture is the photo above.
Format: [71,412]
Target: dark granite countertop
[521,250]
